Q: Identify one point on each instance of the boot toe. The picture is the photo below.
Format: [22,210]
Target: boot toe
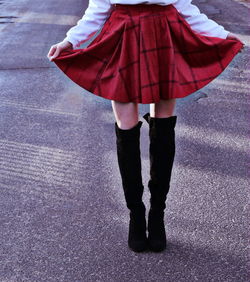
[157,245]
[138,245]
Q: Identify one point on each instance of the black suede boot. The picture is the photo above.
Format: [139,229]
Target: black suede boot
[129,160]
[162,152]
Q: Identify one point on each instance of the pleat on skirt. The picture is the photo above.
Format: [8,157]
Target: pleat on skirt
[145,53]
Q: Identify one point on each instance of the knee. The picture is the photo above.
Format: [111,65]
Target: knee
[127,123]
[165,108]
[126,114]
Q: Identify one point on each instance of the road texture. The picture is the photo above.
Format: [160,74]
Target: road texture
[62,210]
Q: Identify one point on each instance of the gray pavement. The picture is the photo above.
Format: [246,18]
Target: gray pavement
[62,211]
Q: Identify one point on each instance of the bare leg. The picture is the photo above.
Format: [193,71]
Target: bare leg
[126,114]
[165,108]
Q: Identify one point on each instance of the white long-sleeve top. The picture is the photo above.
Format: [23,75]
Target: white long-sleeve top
[99,10]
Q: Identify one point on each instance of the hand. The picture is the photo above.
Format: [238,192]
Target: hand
[232,36]
[56,49]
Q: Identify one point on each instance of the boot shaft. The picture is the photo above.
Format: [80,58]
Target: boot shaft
[129,161]
[161,153]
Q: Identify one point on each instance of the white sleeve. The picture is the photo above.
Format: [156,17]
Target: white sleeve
[94,17]
[198,21]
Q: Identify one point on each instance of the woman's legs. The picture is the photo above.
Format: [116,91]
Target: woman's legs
[127,128]
[163,109]
[126,114]
[162,150]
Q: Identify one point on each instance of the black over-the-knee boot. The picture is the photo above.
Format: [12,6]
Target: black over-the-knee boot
[129,160]
[162,152]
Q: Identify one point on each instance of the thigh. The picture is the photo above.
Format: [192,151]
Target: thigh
[165,108]
[126,114]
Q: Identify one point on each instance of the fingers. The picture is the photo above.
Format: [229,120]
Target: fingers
[54,52]
[57,52]
[56,49]
[242,48]
[232,36]
[51,51]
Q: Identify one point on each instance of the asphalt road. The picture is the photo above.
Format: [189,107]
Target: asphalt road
[62,211]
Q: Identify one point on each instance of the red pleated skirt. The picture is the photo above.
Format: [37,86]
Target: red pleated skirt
[145,53]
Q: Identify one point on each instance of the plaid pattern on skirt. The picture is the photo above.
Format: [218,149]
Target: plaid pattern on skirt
[145,53]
